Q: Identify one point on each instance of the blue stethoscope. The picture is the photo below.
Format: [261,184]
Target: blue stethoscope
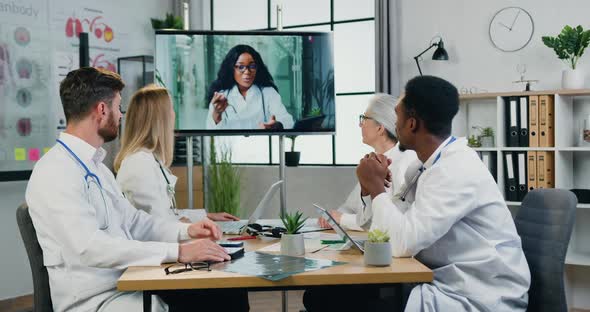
[415,178]
[90,178]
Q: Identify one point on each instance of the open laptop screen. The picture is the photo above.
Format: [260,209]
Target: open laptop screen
[337,228]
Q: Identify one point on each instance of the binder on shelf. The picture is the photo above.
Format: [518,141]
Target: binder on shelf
[534,121]
[523,140]
[489,160]
[546,110]
[521,160]
[512,126]
[510,180]
[532,170]
[545,174]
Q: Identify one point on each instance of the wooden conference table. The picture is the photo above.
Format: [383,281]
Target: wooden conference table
[401,270]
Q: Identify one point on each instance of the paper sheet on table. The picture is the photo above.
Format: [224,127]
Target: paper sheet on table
[272,267]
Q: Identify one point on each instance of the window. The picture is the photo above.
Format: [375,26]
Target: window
[354,55]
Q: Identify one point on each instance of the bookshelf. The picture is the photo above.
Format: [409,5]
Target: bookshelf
[571,161]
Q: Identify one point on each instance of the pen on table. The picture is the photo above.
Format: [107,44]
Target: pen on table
[241,238]
[320,248]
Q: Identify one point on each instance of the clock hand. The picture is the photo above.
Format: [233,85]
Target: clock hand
[514,21]
[502,24]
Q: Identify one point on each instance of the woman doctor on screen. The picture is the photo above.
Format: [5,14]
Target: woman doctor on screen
[378,131]
[244,95]
[147,146]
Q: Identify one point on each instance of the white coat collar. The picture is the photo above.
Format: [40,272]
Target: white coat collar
[429,162]
[82,149]
[169,175]
[391,152]
[253,91]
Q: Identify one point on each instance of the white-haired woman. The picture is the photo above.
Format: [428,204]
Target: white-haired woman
[378,130]
[147,146]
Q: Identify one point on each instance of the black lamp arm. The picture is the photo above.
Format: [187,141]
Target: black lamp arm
[419,55]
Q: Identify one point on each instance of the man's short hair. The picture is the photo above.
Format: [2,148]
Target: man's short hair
[433,100]
[83,88]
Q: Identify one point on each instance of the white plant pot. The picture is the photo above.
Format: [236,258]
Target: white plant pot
[377,254]
[572,79]
[292,245]
[487,141]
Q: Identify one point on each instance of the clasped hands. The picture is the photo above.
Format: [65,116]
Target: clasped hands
[373,174]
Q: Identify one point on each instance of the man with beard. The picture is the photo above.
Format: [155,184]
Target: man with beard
[89,232]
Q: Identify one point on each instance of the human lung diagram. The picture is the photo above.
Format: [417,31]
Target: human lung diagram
[96,26]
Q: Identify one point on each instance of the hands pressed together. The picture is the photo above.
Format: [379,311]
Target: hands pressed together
[373,174]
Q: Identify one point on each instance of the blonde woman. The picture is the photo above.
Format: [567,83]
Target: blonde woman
[147,147]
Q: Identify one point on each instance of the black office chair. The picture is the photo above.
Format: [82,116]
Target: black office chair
[544,223]
[41,292]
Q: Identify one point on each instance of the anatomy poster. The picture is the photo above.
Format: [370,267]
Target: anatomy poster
[26,99]
[39,42]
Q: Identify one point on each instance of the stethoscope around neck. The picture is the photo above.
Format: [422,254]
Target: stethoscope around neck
[421,170]
[169,189]
[90,178]
[263,106]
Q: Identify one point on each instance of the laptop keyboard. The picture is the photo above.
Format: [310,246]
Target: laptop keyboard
[232,227]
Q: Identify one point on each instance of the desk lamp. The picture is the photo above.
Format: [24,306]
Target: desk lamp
[440,54]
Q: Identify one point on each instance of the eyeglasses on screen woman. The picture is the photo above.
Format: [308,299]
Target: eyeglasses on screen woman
[242,68]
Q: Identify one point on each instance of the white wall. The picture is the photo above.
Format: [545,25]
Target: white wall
[327,186]
[15,272]
[473,60]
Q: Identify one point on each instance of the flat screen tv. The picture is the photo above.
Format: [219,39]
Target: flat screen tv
[248,83]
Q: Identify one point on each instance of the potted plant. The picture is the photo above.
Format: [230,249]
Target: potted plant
[569,46]
[473,141]
[223,182]
[486,136]
[378,249]
[292,243]
[292,157]
[169,22]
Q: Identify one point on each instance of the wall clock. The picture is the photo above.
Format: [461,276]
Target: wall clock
[511,29]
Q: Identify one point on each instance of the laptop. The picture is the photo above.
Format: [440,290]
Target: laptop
[239,227]
[359,244]
[309,123]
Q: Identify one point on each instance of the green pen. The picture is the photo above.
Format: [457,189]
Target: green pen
[330,242]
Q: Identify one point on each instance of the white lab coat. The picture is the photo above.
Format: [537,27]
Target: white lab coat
[248,113]
[83,261]
[357,215]
[144,185]
[459,226]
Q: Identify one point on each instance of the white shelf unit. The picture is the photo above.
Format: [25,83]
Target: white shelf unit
[571,167]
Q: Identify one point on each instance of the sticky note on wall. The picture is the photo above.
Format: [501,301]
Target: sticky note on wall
[20,154]
[34,154]
[45,150]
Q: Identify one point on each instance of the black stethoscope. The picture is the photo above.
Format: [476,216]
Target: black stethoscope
[91,178]
[169,189]
[421,169]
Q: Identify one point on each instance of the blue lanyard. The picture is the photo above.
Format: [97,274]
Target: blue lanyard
[453,139]
[89,173]
[415,179]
